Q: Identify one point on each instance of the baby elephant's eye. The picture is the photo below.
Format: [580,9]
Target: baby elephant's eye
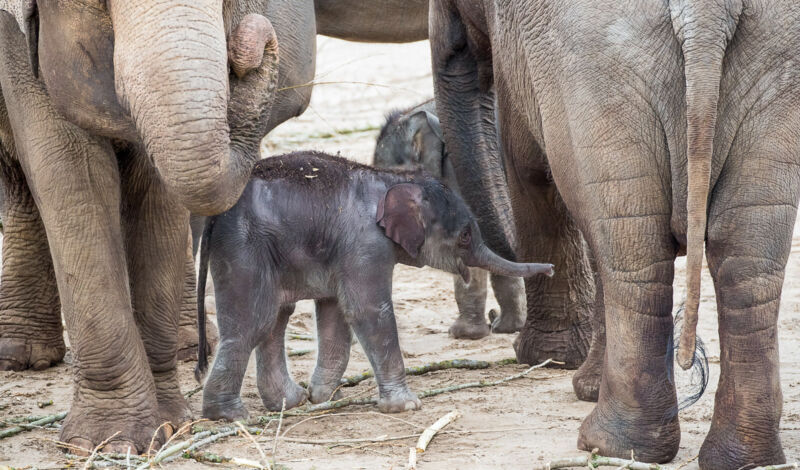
[465,237]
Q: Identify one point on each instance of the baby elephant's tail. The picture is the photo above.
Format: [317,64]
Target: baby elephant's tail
[202,342]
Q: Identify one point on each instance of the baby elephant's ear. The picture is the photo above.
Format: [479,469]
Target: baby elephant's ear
[400,215]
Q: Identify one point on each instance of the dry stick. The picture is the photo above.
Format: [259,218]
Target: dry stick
[258,447]
[301,337]
[299,352]
[97,448]
[33,425]
[427,435]
[278,431]
[423,369]
[596,461]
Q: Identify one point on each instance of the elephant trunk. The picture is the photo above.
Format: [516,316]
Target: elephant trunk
[465,105]
[704,36]
[484,258]
[201,126]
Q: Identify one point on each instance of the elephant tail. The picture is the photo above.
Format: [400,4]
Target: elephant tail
[704,30]
[202,275]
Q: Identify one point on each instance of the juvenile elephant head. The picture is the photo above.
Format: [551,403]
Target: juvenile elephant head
[435,228]
[190,80]
[412,139]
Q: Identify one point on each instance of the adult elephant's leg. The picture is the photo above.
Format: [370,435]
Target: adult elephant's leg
[751,217]
[187,321]
[333,353]
[634,250]
[510,295]
[586,381]
[471,301]
[74,179]
[31,335]
[558,324]
[156,233]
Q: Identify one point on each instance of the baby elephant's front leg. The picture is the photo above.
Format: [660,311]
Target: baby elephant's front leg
[372,319]
[333,351]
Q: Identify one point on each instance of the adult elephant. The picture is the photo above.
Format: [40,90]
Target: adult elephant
[117,117]
[658,126]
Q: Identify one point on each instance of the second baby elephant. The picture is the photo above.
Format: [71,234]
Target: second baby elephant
[412,139]
[314,226]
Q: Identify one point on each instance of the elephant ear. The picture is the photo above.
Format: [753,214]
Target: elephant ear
[400,215]
[27,16]
[428,141]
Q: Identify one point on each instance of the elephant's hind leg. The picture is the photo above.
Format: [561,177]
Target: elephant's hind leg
[333,352]
[586,381]
[510,295]
[751,218]
[274,382]
[31,335]
[156,231]
[471,300]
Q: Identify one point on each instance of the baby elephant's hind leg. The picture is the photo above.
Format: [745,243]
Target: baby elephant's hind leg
[333,336]
[274,382]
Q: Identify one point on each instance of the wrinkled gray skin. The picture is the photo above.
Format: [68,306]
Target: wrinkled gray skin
[31,335]
[410,139]
[334,238]
[109,134]
[658,126]
[373,20]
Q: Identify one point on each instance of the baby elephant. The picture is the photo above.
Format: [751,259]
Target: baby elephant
[314,226]
[412,139]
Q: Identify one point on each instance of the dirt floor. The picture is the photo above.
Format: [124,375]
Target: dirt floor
[517,425]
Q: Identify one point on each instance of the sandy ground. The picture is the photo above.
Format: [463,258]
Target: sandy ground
[517,425]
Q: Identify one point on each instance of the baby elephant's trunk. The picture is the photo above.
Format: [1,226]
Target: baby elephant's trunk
[202,343]
[485,258]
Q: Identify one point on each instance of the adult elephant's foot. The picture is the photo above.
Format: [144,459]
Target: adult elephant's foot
[29,353]
[128,420]
[469,328]
[172,406]
[567,345]
[398,400]
[505,323]
[586,381]
[731,447]
[615,429]
[188,339]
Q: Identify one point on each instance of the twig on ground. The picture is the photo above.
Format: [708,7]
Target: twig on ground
[32,425]
[427,435]
[596,461]
[247,434]
[43,404]
[299,336]
[423,369]
[299,352]
[687,462]
[97,448]
[193,391]
[278,431]
[484,383]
